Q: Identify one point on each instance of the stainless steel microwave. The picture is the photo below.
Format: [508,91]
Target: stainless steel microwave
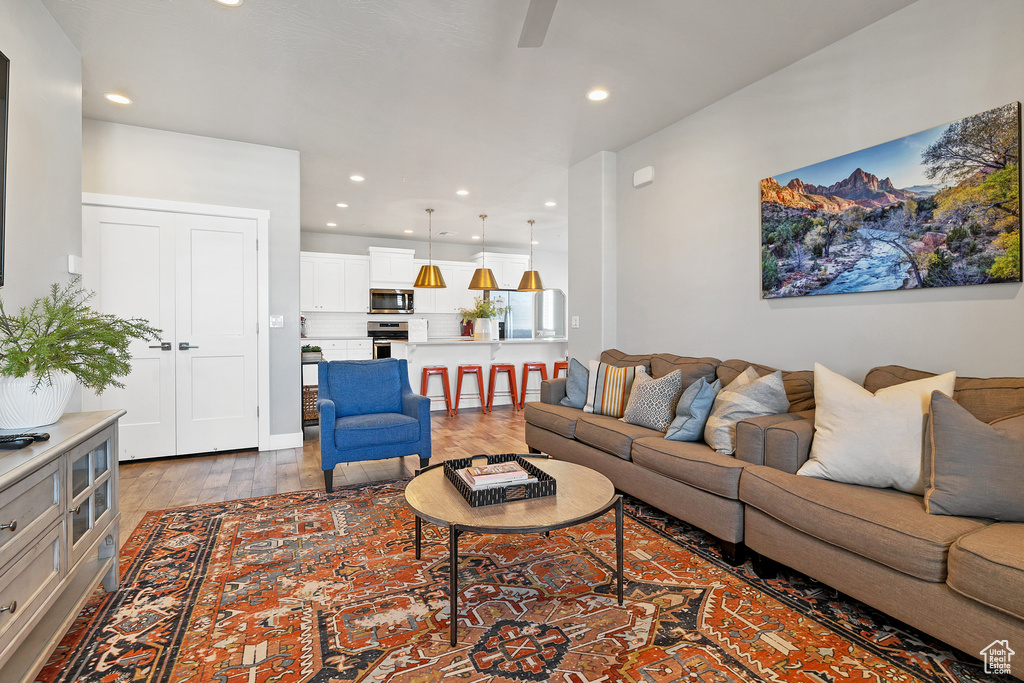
[391,300]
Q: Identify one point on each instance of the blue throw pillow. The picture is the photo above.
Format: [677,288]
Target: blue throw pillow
[576,385]
[693,410]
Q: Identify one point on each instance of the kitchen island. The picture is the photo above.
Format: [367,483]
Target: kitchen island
[465,351]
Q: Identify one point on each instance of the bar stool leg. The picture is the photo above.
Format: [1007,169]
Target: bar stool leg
[490,390]
[447,392]
[458,391]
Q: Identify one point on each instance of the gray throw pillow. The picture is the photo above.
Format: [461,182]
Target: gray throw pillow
[976,468]
[693,410]
[746,396]
[576,385]
[652,402]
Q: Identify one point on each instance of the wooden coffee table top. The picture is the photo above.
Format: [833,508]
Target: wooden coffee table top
[581,493]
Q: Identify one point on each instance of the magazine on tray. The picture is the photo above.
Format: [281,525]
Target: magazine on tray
[502,472]
[494,484]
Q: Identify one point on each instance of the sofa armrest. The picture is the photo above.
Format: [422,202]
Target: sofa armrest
[552,390]
[788,445]
[416,406]
[751,434]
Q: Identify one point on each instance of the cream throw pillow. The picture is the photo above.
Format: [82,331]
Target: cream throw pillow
[871,439]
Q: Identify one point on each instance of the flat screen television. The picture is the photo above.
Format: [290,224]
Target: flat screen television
[5,67]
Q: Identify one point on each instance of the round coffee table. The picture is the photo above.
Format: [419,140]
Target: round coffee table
[582,495]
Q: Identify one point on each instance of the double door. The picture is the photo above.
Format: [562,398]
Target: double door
[193,276]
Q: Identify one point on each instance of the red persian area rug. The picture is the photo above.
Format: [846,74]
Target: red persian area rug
[325,587]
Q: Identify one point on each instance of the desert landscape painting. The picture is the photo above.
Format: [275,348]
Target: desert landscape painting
[939,208]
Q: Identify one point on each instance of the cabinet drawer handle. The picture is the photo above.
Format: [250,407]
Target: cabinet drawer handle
[76,510]
[12,608]
[13,526]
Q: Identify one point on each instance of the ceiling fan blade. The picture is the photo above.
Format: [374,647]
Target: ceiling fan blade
[538,17]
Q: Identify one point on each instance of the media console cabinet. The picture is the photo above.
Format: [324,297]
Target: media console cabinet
[58,535]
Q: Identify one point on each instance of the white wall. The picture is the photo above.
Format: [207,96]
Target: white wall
[688,245]
[142,162]
[44,153]
[592,254]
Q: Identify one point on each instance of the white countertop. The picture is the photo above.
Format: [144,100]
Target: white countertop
[469,340]
[334,336]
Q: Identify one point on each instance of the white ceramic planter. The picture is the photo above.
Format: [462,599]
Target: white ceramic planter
[25,406]
[482,329]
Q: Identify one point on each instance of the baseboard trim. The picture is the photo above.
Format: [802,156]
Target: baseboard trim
[278,441]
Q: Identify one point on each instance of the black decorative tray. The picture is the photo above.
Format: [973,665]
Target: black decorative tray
[544,486]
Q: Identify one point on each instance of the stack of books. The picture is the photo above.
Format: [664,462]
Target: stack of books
[492,476]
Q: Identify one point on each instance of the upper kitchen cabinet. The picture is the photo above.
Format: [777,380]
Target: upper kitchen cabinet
[338,283]
[455,295]
[391,268]
[508,269]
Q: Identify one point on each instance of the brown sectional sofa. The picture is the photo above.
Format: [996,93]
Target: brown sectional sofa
[958,579]
[685,479]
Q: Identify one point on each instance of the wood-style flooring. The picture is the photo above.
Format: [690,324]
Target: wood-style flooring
[192,480]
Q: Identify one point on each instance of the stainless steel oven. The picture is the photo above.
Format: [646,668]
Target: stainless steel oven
[391,301]
[383,333]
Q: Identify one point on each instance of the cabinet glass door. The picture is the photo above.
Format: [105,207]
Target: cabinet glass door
[91,493]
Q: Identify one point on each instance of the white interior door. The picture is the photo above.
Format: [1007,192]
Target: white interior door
[194,277]
[216,324]
[130,266]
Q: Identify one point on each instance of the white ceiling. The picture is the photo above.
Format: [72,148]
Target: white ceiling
[424,97]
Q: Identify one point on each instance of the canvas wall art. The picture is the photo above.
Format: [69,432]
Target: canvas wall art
[940,208]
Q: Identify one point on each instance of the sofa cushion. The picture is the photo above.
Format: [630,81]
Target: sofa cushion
[652,402]
[608,388]
[799,383]
[977,469]
[692,462]
[746,397]
[362,387]
[693,410]
[375,429]
[884,525]
[575,385]
[987,398]
[692,368]
[625,360]
[554,418]
[610,435]
[988,566]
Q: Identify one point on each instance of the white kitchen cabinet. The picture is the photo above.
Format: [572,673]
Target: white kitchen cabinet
[462,295]
[391,268]
[508,269]
[334,283]
[430,300]
[336,349]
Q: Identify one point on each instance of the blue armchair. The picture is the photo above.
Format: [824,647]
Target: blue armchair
[368,412]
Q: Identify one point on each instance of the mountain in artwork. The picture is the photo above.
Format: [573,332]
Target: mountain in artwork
[861,188]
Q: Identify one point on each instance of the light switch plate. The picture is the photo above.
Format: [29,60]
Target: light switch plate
[575,322]
[277,321]
[74,264]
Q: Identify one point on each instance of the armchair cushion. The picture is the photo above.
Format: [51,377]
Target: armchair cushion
[365,387]
[375,429]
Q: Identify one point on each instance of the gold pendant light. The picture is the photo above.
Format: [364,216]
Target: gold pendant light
[430,275]
[531,278]
[483,278]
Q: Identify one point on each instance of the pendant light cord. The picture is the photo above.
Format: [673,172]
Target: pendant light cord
[531,222]
[483,241]
[430,239]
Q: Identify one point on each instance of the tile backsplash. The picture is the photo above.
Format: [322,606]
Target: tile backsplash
[354,324]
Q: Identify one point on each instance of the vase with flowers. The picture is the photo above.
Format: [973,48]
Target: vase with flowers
[482,313]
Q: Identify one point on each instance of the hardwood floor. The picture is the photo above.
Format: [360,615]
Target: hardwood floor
[191,480]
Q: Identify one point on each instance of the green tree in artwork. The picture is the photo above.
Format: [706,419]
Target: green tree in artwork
[985,142]
[770,276]
[1007,266]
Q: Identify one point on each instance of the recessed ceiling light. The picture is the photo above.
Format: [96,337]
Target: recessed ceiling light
[550,203]
[357,178]
[476,237]
[332,225]
[230,3]
[118,98]
[408,232]
[597,95]
[341,205]
[535,242]
[462,193]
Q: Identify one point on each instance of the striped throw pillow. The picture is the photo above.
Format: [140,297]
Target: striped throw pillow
[608,389]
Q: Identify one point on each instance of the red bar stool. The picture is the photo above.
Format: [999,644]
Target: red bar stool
[470,370]
[437,370]
[527,369]
[562,365]
[510,369]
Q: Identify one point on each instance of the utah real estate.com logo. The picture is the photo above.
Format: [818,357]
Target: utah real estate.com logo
[997,657]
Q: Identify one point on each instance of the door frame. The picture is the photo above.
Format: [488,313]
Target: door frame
[262,218]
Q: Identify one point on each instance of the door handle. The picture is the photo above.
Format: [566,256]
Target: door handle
[185,346]
[163,346]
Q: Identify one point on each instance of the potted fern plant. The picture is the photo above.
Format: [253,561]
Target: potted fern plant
[57,341]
